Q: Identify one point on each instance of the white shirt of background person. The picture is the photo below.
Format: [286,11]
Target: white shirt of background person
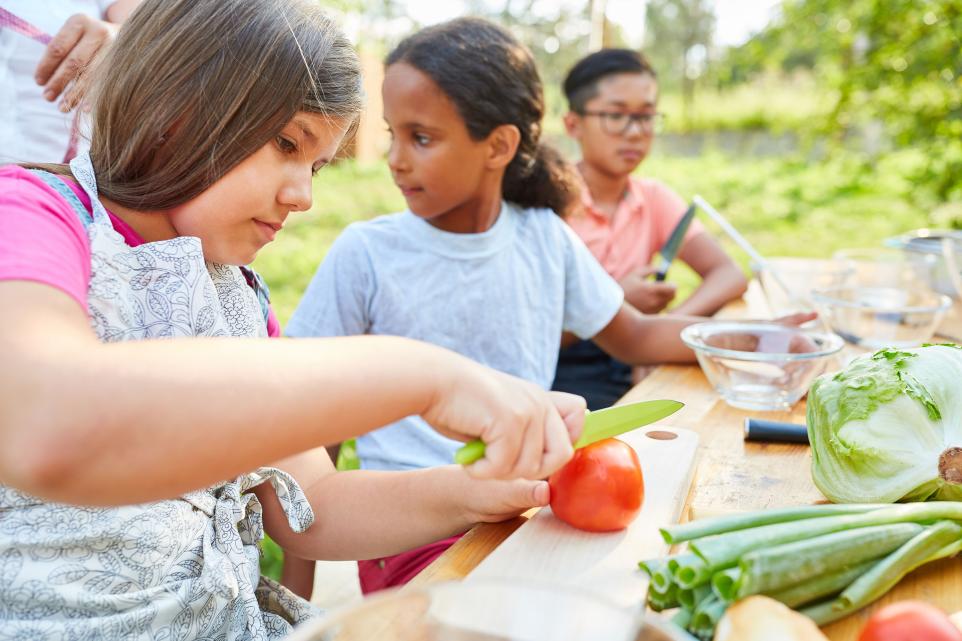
[31,128]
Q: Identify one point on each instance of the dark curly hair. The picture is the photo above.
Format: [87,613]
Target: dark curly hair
[492,80]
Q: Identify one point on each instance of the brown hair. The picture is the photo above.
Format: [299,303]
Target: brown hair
[492,80]
[192,87]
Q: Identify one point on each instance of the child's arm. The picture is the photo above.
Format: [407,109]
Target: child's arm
[86,422]
[368,514]
[636,339]
[722,280]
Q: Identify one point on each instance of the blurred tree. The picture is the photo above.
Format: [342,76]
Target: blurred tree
[889,64]
[678,38]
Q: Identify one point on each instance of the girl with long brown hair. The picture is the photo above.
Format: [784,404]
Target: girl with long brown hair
[206,132]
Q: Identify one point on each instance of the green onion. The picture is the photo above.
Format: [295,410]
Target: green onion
[724,550]
[706,616]
[682,618]
[818,587]
[724,583]
[774,568]
[706,527]
[689,570]
[941,538]
[663,600]
[690,598]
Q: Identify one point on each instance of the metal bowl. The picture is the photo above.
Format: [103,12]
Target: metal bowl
[929,242]
[760,366]
[487,611]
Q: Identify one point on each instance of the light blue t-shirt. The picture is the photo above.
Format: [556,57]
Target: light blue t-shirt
[501,297]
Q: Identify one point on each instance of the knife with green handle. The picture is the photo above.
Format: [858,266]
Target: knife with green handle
[599,425]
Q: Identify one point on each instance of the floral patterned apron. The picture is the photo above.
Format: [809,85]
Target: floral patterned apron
[176,569]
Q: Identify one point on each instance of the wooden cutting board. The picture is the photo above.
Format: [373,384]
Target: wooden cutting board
[546,549]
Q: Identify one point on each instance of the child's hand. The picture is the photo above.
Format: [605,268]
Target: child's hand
[647,296]
[527,432]
[796,319]
[491,501]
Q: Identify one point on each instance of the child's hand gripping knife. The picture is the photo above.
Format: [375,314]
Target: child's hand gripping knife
[527,431]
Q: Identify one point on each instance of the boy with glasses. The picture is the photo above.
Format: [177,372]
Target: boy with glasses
[613,115]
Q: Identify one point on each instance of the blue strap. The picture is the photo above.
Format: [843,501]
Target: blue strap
[260,288]
[67,193]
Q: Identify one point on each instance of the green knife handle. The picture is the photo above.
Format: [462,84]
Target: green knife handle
[469,453]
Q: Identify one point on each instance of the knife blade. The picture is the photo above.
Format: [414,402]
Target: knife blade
[668,252]
[599,425]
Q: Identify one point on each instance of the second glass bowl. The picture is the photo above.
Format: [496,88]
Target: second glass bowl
[757,365]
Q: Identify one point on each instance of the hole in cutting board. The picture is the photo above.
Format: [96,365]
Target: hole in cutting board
[661,435]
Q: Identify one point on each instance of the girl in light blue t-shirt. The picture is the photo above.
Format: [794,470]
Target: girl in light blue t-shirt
[480,263]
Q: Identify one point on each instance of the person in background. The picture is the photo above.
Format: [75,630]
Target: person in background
[150,432]
[44,46]
[624,219]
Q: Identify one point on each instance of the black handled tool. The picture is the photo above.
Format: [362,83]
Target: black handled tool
[758,429]
[667,253]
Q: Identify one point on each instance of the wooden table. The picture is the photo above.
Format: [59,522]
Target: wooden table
[732,475]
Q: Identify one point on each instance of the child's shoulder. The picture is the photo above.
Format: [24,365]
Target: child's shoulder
[372,229]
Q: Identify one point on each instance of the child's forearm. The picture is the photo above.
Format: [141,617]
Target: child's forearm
[639,339]
[718,287]
[90,423]
[368,514]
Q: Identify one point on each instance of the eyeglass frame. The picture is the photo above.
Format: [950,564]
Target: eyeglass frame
[647,122]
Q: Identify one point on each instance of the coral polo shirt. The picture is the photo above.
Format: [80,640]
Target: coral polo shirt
[641,225]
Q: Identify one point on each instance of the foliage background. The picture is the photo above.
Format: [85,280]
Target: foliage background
[837,126]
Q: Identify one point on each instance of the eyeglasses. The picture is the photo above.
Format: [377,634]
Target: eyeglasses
[618,123]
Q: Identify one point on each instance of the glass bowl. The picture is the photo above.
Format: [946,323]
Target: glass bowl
[886,267]
[880,317]
[760,366]
[489,610]
[791,290]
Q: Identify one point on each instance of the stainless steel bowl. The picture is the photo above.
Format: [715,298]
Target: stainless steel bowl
[929,242]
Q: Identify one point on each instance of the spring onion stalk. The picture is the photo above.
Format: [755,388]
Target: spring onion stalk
[689,571]
[658,573]
[724,550]
[651,566]
[931,544]
[822,586]
[706,616]
[724,583]
[682,618]
[774,568]
[718,525]
[663,600]
[690,598]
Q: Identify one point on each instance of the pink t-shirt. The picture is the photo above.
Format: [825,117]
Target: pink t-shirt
[642,223]
[43,240]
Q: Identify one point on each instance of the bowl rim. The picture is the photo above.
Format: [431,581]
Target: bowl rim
[834,343]
[884,253]
[825,296]
[905,240]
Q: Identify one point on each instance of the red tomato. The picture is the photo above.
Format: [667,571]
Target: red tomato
[910,621]
[600,489]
